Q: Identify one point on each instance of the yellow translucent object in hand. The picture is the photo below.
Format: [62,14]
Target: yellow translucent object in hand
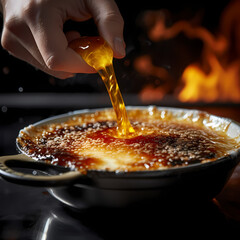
[97,53]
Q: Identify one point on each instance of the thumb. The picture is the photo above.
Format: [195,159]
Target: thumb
[110,24]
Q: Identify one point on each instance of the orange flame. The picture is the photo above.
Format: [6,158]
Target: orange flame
[221,80]
[221,84]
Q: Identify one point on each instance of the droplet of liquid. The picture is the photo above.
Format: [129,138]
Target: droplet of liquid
[20,89]
[5,70]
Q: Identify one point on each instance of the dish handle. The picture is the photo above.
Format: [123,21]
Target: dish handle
[23,170]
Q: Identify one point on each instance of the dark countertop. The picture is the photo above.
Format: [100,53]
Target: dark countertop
[31,213]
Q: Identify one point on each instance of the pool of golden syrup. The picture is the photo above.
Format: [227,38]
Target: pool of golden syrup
[97,53]
[86,142]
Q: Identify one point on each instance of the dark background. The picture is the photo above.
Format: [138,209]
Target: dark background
[20,77]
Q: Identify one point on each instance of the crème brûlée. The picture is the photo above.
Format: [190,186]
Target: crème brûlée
[161,140]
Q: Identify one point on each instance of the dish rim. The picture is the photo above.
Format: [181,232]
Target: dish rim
[234,154]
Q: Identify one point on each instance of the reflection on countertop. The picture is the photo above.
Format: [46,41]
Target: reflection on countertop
[31,213]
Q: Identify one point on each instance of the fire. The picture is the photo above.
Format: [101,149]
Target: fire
[217,76]
[220,84]
[145,66]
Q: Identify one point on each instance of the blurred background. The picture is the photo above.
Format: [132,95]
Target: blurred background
[179,54]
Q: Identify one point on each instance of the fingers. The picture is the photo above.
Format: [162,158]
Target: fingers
[33,32]
[72,35]
[53,45]
[15,48]
[110,24]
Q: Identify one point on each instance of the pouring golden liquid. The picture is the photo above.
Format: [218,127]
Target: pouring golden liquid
[98,54]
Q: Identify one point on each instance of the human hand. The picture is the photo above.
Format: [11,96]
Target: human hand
[33,32]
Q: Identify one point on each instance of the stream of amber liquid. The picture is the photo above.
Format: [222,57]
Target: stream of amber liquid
[98,54]
[124,128]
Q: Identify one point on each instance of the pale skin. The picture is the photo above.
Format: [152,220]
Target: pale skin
[33,32]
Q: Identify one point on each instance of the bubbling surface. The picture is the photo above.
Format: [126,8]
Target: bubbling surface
[89,142]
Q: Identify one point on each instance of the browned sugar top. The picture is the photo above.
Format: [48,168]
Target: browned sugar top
[89,142]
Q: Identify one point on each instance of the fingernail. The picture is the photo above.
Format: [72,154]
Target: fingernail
[119,46]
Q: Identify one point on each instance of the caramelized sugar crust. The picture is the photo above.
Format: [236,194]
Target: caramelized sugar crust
[160,141]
